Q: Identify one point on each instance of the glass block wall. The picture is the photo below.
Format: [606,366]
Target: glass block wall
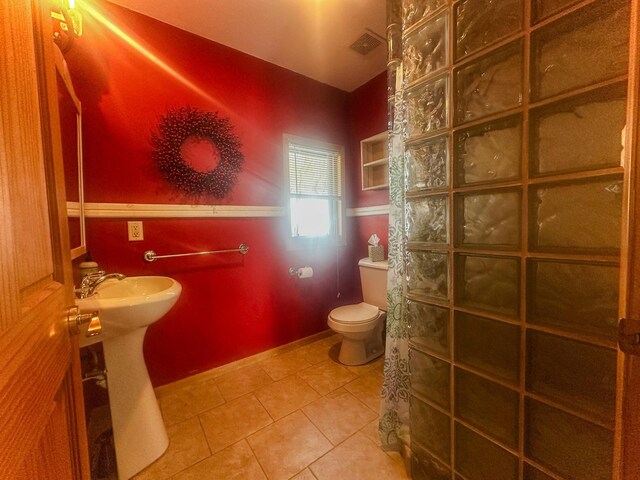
[513,121]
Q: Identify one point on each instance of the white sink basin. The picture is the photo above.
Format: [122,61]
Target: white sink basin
[126,308]
[125,305]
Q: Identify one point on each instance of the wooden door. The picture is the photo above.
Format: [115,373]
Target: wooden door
[42,433]
[628,425]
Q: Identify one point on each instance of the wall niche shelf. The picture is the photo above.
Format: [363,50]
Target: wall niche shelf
[375,164]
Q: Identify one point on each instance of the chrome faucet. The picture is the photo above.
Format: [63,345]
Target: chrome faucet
[91,281]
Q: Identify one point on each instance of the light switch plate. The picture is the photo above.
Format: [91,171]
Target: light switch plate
[136,232]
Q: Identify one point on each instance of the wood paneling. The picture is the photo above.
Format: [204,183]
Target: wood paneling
[25,168]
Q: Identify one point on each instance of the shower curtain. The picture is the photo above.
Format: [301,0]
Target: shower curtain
[394,412]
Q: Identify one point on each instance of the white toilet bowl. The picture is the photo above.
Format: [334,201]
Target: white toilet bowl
[362,324]
[362,329]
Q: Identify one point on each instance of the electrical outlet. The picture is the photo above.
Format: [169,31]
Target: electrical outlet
[135,231]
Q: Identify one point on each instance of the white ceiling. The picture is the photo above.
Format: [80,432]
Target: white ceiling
[310,37]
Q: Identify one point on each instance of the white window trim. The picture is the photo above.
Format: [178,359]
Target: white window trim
[296,243]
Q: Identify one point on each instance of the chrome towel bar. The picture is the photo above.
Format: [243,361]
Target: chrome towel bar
[150,255]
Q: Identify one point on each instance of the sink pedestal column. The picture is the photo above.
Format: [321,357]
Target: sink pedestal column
[139,433]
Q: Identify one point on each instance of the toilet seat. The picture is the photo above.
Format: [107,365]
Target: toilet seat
[354,314]
[362,330]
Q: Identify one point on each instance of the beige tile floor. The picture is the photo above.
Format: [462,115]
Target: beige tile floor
[299,414]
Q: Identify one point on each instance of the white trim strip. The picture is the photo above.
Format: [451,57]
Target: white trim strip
[367,211]
[153,210]
[73,209]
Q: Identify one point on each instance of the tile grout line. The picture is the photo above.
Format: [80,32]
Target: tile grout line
[173,475]
[246,439]
[321,433]
[196,414]
[366,371]
[339,444]
[206,438]
[273,420]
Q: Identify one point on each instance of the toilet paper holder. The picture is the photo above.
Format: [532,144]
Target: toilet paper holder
[301,272]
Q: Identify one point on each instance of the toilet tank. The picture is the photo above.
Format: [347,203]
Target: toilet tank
[373,278]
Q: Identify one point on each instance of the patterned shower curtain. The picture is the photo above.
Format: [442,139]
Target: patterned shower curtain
[394,413]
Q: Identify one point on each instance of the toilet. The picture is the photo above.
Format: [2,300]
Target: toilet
[362,324]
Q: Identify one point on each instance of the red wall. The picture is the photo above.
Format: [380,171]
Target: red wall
[124,94]
[231,306]
[367,117]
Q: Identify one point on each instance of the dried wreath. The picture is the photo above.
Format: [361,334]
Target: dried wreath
[183,123]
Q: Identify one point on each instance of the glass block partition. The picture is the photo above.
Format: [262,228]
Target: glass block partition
[514,113]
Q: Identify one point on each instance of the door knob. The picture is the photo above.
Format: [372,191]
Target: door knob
[75,319]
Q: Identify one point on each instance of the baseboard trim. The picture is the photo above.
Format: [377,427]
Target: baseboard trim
[169,388]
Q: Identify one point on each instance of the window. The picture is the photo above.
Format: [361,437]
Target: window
[314,179]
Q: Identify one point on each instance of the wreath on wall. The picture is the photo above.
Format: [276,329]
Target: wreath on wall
[178,126]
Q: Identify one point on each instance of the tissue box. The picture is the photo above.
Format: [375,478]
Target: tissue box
[376,254]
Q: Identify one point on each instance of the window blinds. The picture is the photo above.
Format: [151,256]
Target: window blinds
[314,171]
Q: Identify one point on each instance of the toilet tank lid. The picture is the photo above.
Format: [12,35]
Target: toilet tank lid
[366,262]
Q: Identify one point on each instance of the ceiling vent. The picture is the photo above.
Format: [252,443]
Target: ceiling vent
[366,43]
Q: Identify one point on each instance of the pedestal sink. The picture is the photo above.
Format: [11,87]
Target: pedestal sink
[127,307]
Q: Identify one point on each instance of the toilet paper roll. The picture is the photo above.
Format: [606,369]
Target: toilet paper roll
[305,272]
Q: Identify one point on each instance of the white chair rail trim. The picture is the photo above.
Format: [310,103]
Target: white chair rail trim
[156,210]
[368,211]
[73,209]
